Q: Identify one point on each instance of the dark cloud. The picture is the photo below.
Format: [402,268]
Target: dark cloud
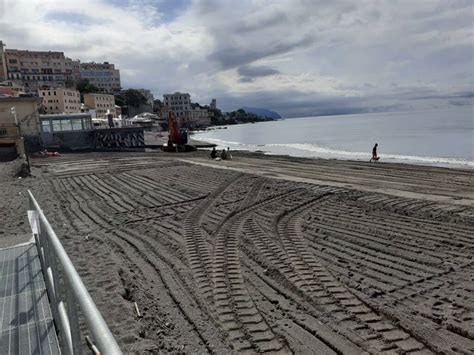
[457,95]
[260,70]
[231,57]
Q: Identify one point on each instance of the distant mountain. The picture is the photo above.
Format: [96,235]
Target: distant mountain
[262,112]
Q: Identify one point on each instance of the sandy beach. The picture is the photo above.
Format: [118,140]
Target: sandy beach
[261,253]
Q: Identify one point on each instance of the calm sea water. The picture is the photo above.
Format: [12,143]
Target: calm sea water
[437,137]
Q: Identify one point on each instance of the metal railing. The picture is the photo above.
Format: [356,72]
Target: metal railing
[66,291]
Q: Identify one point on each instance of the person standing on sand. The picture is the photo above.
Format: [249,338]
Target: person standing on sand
[214,153]
[374,153]
[223,154]
[229,156]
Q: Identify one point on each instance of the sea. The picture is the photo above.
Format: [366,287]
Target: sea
[442,137]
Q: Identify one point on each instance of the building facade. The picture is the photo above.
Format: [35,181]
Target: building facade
[35,69]
[199,117]
[103,75]
[22,111]
[101,103]
[60,100]
[180,104]
[213,104]
[3,63]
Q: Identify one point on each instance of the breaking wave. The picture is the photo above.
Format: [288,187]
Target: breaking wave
[315,151]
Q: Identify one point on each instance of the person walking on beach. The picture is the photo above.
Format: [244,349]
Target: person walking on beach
[229,156]
[374,153]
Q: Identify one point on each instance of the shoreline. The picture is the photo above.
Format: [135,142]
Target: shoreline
[385,158]
[460,167]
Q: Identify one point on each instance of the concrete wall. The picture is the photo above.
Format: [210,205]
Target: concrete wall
[114,139]
[68,140]
[26,112]
[8,152]
[128,138]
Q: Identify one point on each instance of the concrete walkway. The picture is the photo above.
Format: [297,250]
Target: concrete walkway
[26,323]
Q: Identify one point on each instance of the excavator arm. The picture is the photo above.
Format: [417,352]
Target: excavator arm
[173,128]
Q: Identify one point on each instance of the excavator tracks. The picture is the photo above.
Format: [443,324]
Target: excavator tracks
[226,261]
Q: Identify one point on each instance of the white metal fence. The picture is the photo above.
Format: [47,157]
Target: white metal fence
[67,294]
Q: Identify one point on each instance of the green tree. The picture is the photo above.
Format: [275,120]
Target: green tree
[85,87]
[134,98]
[119,100]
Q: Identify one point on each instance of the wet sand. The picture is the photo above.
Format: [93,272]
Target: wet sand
[263,253]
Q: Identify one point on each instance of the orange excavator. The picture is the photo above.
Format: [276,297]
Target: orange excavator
[177,138]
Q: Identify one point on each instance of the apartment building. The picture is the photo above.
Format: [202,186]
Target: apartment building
[35,69]
[60,100]
[101,103]
[103,75]
[180,104]
[200,116]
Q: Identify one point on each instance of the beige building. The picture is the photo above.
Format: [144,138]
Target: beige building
[101,103]
[103,75]
[35,69]
[21,110]
[60,100]
[200,117]
[180,104]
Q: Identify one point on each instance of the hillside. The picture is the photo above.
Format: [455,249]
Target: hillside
[262,112]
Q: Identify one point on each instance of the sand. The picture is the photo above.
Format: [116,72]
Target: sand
[263,254]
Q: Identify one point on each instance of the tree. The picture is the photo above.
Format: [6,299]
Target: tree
[85,87]
[134,98]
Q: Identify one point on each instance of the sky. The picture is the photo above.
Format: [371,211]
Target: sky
[296,57]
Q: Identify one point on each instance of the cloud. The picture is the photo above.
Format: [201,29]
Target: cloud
[250,73]
[298,57]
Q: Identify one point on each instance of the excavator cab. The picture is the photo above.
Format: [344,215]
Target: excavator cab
[178,138]
[183,136]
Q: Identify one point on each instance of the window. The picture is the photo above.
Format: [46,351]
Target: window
[45,126]
[66,125]
[12,61]
[76,124]
[56,125]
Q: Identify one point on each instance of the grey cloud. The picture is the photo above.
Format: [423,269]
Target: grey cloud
[457,95]
[259,70]
[256,24]
[232,57]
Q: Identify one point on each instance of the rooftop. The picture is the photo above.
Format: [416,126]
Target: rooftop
[65,115]
[20,99]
